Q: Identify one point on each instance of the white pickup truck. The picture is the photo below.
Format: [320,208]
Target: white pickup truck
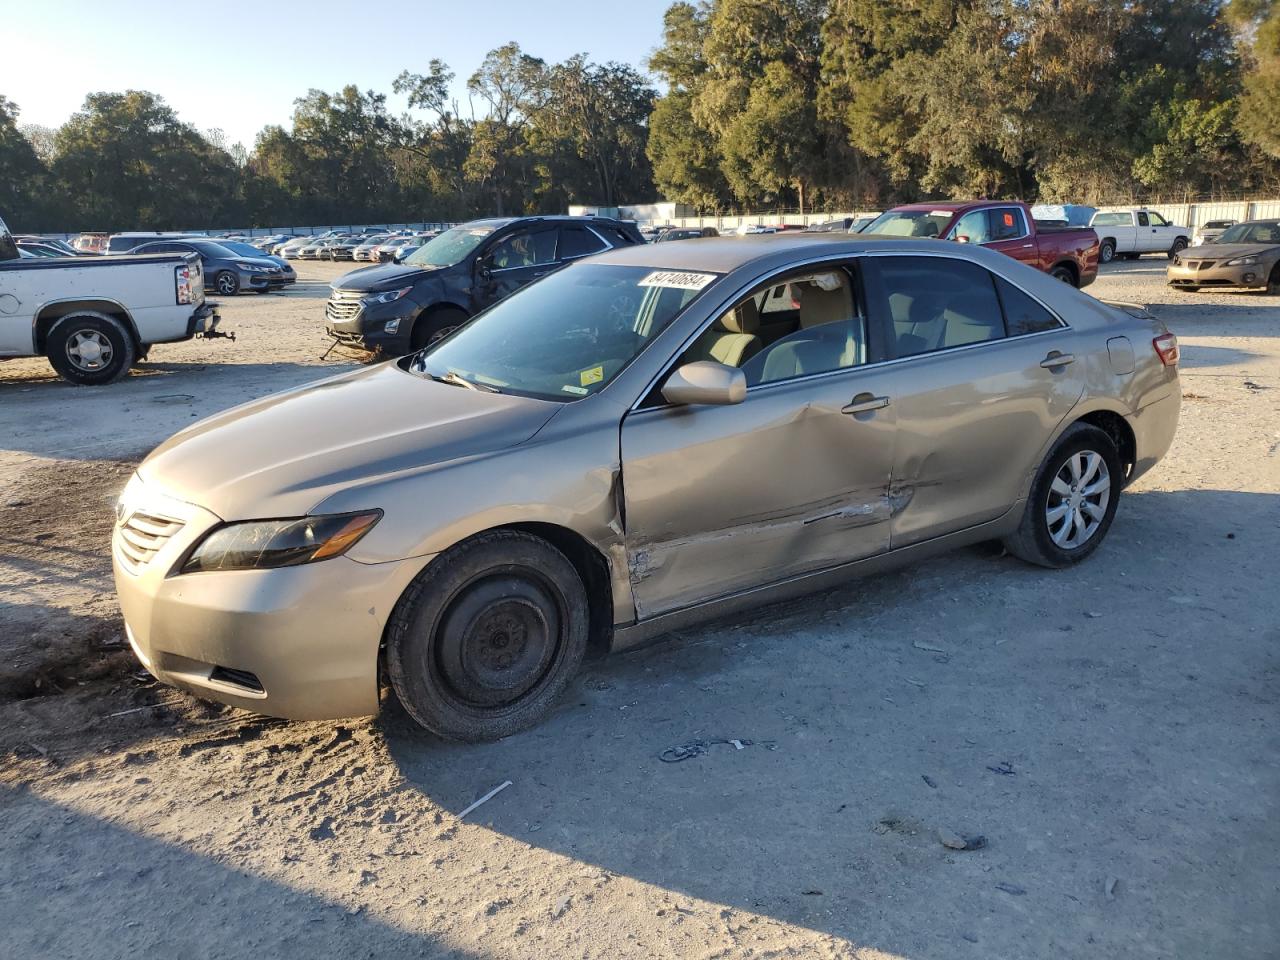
[93,317]
[1131,233]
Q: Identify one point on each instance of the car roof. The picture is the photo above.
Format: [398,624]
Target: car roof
[727,253]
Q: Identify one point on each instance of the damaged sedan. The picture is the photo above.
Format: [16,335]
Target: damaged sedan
[643,440]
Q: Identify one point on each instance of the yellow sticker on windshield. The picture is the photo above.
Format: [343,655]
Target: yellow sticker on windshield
[594,375]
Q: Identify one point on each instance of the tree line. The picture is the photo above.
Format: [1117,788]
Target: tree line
[758,104]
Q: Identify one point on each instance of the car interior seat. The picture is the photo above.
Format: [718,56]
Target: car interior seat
[829,337]
[732,338]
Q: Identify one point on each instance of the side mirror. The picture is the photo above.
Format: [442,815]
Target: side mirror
[484,267]
[962,238]
[705,382]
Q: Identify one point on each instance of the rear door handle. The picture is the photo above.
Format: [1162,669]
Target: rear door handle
[865,403]
[1056,359]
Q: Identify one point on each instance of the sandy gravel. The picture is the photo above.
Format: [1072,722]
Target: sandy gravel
[1109,730]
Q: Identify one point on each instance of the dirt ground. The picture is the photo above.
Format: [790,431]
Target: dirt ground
[1111,730]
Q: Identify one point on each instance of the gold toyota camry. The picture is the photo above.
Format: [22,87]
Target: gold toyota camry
[637,442]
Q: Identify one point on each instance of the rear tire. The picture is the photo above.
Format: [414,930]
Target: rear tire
[90,348]
[1065,274]
[487,637]
[1273,282]
[1073,500]
[1107,252]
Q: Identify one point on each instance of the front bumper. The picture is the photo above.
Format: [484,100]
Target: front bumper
[1193,271]
[298,642]
[366,328]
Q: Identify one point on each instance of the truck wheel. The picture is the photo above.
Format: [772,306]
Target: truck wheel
[1107,252]
[1178,246]
[226,283]
[1065,274]
[488,636]
[90,348]
[1190,289]
[436,326]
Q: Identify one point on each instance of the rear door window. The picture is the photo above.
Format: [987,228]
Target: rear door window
[1022,314]
[926,304]
[577,242]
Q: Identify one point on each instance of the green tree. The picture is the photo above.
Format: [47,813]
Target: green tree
[22,175]
[125,161]
[1258,118]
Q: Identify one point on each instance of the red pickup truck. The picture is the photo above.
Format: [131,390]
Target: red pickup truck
[1068,253]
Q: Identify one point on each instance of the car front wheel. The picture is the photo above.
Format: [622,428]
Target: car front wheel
[1073,500]
[226,283]
[488,636]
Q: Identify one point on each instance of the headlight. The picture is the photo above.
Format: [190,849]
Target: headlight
[1242,262]
[250,267]
[388,296]
[266,544]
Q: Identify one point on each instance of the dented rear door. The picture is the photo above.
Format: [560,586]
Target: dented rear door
[723,499]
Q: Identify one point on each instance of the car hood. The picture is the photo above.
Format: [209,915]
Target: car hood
[282,455]
[385,276]
[1229,251]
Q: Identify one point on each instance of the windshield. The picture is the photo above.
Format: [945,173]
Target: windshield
[450,247]
[1252,233]
[567,336]
[910,223]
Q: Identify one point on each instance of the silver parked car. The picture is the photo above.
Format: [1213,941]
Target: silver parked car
[637,442]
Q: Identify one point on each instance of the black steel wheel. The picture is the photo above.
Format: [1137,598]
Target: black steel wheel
[487,637]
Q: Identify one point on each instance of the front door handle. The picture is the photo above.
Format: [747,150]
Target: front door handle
[1056,359]
[1027,246]
[865,403]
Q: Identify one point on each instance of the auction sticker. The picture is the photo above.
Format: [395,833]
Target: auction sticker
[677,280]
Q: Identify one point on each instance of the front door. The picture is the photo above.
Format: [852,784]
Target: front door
[984,375]
[516,259]
[721,499]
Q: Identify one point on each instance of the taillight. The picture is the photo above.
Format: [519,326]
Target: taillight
[182,282]
[1166,349]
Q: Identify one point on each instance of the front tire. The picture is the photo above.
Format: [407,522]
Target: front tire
[1073,500]
[436,326]
[90,348]
[488,636]
[226,283]
[1178,246]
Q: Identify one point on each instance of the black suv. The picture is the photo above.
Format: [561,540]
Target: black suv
[396,308]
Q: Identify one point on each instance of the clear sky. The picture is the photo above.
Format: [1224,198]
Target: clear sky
[239,66]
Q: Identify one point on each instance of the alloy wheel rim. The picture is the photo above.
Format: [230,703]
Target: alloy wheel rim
[225,284]
[89,350]
[1078,499]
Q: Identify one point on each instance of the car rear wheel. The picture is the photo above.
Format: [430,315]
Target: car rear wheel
[1273,283]
[1073,500]
[1107,252]
[488,636]
[90,348]
[436,326]
[226,283]
[1178,246]
[1065,274]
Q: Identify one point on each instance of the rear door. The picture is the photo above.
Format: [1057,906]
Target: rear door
[983,373]
[1011,235]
